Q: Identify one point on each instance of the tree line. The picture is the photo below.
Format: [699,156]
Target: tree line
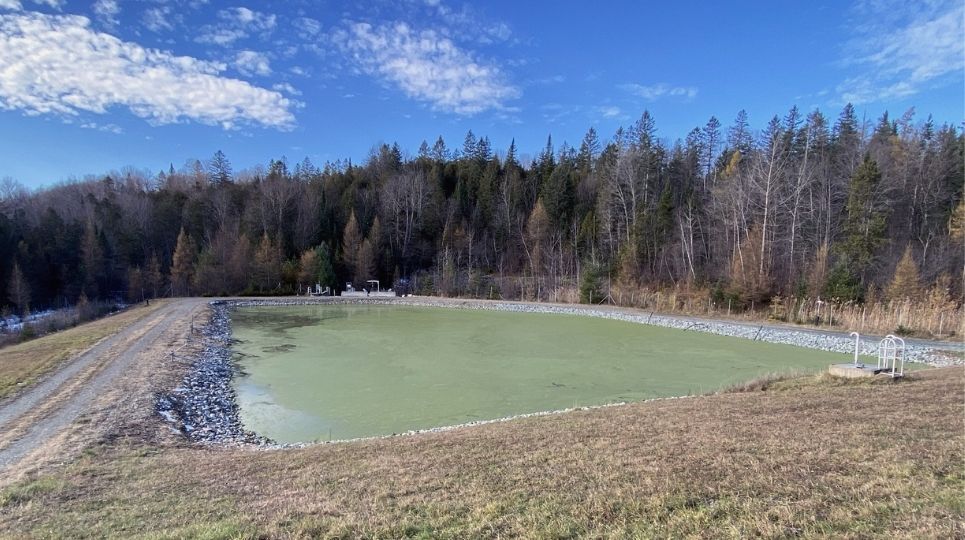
[806,206]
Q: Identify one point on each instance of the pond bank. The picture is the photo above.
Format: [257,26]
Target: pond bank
[205,409]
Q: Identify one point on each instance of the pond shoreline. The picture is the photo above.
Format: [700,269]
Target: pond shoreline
[204,406]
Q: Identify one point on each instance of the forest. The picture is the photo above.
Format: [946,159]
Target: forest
[841,210]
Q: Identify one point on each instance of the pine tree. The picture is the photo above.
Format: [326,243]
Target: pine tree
[865,224]
[439,151]
[739,137]
[219,169]
[709,142]
[469,146]
[182,264]
[326,273]
[589,150]
[559,196]
[906,282]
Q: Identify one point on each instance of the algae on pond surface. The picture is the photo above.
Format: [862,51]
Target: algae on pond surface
[314,373]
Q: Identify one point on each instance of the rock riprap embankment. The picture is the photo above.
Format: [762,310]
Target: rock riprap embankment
[204,405]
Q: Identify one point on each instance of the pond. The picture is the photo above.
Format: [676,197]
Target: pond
[330,372]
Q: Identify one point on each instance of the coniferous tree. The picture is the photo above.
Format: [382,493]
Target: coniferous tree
[219,169]
[865,222]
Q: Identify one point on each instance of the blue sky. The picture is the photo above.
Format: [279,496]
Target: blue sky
[95,86]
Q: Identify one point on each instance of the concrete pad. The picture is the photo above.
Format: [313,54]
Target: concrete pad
[852,371]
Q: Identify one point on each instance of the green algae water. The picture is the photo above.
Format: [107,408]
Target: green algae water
[315,373]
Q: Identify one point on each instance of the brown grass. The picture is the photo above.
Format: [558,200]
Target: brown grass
[930,316]
[23,364]
[804,457]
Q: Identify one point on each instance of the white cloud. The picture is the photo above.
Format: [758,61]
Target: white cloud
[11,4]
[287,88]
[236,23]
[307,28]
[107,11]
[901,48]
[609,111]
[55,4]
[427,67]
[654,92]
[56,64]
[468,24]
[158,19]
[252,63]
[109,128]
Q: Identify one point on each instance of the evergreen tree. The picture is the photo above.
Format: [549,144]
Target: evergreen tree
[469,146]
[710,143]
[326,272]
[559,196]
[842,284]
[439,151]
[865,223]
[589,150]
[739,136]
[219,169]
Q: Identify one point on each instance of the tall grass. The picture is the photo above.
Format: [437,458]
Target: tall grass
[930,315]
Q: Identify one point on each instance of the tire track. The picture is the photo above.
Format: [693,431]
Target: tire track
[117,352]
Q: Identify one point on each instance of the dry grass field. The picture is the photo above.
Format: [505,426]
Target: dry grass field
[804,457]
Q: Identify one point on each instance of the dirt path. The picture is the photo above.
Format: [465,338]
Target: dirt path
[40,414]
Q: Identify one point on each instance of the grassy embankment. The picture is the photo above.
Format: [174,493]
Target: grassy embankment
[810,457]
[22,364]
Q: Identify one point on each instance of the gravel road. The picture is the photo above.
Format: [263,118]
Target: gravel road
[116,354]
